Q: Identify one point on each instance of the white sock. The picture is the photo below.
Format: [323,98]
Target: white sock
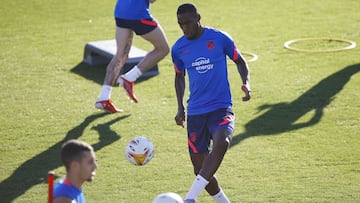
[196,188]
[105,93]
[220,197]
[133,74]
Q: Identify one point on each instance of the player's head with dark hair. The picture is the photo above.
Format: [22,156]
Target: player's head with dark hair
[189,20]
[187,8]
[74,150]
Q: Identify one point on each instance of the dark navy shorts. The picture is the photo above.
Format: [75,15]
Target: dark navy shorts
[140,27]
[201,128]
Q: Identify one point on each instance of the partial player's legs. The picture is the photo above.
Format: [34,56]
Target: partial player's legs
[218,126]
[124,39]
[161,48]
[221,142]
[205,166]
[198,161]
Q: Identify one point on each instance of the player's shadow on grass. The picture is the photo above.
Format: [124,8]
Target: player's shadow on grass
[96,73]
[34,171]
[283,117]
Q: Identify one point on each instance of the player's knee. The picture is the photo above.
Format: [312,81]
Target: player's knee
[162,47]
[223,136]
[164,50]
[222,141]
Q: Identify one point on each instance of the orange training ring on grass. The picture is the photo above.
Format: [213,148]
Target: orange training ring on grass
[352,44]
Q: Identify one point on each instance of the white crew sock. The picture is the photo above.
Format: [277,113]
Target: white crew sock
[196,188]
[220,197]
[105,93]
[133,74]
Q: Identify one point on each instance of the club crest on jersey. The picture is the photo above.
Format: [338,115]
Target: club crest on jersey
[202,64]
[210,44]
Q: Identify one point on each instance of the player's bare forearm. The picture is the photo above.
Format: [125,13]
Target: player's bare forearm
[180,90]
[244,72]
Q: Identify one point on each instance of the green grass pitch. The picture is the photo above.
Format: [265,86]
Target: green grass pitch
[297,140]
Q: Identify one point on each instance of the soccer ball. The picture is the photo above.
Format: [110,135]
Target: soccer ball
[139,151]
[168,197]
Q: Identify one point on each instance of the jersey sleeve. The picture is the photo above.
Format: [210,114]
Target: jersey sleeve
[178,64]
[230,48]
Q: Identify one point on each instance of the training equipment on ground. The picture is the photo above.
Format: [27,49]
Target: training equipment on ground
[254,57]
[101,52]
[51,179]
[139,151]
[168,197]
[351,45]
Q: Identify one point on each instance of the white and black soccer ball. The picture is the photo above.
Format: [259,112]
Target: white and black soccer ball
[168,197]
[139,151]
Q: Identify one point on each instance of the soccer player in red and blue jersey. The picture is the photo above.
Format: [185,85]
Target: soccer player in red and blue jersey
[202,53]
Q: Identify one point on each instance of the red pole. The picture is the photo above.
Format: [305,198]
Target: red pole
[51,179]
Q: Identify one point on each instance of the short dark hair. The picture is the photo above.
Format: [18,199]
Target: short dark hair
[187,8]
[72,150]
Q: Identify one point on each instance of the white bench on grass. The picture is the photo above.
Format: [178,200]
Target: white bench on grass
[101,52]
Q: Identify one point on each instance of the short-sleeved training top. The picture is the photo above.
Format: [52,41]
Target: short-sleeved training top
[132,9]
[204,59]
[66,189]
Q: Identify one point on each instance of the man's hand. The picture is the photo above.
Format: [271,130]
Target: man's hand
[247,92]
[180,118]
